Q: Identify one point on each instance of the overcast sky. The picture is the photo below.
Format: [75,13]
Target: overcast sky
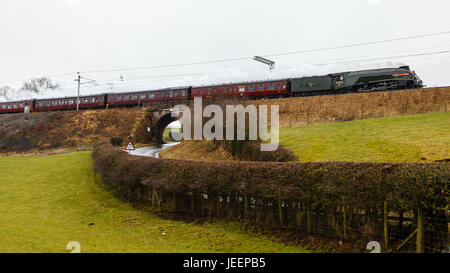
[54,37]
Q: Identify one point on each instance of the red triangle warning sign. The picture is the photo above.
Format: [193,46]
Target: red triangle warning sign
[130,146]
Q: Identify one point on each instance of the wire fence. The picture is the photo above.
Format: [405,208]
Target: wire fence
[418,230]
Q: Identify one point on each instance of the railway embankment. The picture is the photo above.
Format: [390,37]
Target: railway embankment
[68,129]
[335,108]
[56,131]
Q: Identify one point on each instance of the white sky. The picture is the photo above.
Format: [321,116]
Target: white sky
[53,37]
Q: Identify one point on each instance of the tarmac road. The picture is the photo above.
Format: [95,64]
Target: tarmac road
[152,151]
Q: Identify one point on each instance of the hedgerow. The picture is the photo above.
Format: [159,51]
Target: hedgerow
[342,200]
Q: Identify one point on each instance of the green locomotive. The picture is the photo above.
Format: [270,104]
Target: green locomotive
[356,81]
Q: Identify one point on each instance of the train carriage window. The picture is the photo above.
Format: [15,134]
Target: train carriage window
[260,87]
[92,100]
[70,102]
[15,105]
[9,106]
[142,97]
[270,86]
[134,97]
[170,93]
[183,93]
[251,88]
[151,95]
[4,106]
[126,97]
[21,105]
[119,98]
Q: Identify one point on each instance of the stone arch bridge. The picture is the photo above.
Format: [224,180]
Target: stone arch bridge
[157,117]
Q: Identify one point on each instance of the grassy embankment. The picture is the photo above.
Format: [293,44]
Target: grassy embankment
[412,138]
[47,201]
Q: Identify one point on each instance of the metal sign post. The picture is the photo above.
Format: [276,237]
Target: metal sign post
[129,147]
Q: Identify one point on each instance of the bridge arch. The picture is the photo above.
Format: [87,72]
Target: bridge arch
[160,126]
[150,129]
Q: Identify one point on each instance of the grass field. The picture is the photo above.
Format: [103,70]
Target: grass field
[413,138]
[47,201]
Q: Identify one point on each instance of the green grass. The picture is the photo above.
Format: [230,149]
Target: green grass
[414,138]
[47,201]
[167,136]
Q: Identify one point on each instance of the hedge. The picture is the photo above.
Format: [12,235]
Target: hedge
[342,200]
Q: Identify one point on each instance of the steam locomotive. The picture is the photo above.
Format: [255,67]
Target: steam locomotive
[337,83]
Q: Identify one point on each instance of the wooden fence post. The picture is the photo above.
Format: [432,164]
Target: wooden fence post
[218,204]
[245,205]
[308,217]
[419,237]
[400,219]
[280,211]
[174,206]
[344,208]
[386,225]
[192,203]
[154,197]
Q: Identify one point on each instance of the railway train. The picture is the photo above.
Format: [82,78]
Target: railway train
[337,83]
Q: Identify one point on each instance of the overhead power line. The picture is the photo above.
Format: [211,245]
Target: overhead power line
[272,55]
[250,58]
[371,59]
[142,80]
[358,44]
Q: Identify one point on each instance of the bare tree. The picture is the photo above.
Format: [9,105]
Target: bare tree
[5,92]
[37,85]
[34,85]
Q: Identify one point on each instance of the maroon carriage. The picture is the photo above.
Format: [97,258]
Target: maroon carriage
[141,97]
[16,106]
[277,88]
[70,103]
